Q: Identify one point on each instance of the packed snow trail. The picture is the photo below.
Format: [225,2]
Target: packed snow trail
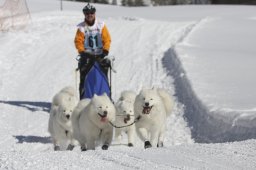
[200,156]
[43,62]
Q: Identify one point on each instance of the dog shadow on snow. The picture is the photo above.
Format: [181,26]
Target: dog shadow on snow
[32,139]
[33,107]
[30,105]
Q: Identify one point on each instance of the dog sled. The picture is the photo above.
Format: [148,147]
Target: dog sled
[98,77]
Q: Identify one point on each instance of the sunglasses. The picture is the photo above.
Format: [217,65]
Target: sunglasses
[90,12]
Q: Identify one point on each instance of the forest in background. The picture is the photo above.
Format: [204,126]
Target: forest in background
[168,2]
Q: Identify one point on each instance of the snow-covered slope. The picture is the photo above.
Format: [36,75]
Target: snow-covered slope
[160,46]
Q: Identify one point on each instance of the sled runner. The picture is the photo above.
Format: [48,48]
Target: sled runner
[96,79]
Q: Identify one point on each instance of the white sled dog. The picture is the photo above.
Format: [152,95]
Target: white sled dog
[91,122]
[59,125]
[125,117]
[152,107]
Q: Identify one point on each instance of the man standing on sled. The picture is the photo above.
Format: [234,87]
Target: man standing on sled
[92,41]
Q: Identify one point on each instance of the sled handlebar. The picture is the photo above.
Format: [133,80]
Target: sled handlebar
[110,58]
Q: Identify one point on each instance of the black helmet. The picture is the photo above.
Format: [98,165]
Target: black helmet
[89,9]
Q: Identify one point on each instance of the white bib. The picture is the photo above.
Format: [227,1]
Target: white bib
[93,41]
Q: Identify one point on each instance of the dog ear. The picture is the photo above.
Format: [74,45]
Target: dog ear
[105,94]
[95,95]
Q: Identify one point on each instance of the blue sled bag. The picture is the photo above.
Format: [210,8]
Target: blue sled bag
[96,82]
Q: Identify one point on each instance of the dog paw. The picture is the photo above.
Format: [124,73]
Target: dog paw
[70,147]
[83,149]
[130,144]
[56,148]
[147,145]
[104,147]
[160,144]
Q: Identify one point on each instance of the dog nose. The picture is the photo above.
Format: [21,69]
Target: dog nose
[67,116]
[105,113]
[146,104]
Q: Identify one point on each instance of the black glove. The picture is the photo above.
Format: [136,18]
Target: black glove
[85,59]
[104,53]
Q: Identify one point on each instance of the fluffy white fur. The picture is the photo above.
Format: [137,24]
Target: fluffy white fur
[59,124]
[127,96]
[152,106]
[125,117]
[91,122]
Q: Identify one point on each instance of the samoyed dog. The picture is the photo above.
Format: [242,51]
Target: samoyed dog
[59,125]
[152,107]
[92,121]
[125,117]
[127,96]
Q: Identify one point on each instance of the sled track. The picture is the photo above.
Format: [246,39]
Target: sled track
[132,162]
[205,128]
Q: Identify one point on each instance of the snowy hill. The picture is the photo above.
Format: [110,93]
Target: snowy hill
[203,56]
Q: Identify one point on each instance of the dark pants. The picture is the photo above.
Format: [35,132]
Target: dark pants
[85,64]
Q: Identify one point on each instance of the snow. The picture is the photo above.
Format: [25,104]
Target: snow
[203,55]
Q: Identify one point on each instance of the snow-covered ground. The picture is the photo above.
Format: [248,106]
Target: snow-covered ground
[203,55]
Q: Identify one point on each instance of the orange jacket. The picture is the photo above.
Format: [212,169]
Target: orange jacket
[80,35]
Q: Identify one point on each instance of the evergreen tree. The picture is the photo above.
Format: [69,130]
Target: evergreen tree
[114,2]
[94,1]
[130,2]
[124,2]
[139,3]
[163,2]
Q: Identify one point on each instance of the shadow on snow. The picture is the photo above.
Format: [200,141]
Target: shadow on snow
[32,106]
[33,139]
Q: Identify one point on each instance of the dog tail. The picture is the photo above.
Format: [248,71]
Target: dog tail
[167,100]
[69,90]
[75,117]
[64,95]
